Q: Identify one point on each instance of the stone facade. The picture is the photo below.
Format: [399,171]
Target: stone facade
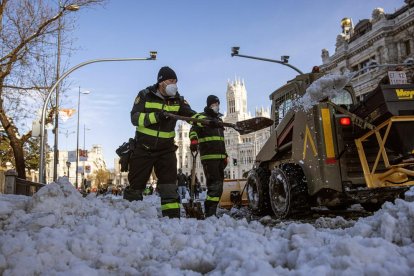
[384,38]
[96,161]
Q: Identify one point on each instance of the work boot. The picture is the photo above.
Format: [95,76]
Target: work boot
[131,194]
[170,208]
[210,208]
[171,213]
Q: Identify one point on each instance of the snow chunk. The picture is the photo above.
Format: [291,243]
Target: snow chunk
[324,87]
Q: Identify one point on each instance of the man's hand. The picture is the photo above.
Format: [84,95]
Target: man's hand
[226,161]
[194,145]
[215,123]
[162,116]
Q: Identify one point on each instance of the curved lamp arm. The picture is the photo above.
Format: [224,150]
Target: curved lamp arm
[153,56]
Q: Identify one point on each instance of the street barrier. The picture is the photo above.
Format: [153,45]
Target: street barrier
[18,186]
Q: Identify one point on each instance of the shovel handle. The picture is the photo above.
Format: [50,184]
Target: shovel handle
[193,175]
[197,120]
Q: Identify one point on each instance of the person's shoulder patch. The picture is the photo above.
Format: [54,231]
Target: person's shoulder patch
[137,99]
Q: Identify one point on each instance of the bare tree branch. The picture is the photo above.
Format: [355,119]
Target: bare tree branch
[28,55]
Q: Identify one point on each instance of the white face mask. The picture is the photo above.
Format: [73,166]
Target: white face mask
[171,89]
[215,108]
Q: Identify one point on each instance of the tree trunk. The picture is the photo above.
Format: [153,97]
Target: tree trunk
[15,143]
[19,159]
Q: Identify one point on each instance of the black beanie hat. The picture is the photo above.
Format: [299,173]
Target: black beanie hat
[166,73]
[212,99]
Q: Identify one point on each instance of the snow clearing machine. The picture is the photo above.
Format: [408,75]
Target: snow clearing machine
[336,153]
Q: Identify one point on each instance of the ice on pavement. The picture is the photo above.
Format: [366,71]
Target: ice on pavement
[324,87]
[58,232]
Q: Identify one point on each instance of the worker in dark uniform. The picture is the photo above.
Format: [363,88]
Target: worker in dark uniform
[182,184]
[210,141]
[154,141]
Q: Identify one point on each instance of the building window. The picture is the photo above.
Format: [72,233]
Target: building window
[364,64]
[354,68]
[407,47]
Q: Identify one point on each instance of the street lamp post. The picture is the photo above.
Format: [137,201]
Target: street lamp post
[284,59]
[56,129]
[153,56]
[67,133]
[77,138]
[68,165]
[84,135]
[84,149]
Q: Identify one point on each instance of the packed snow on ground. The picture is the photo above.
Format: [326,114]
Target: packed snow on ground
[324,87]
[58,232]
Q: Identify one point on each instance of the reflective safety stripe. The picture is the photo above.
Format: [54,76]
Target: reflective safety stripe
[151,132]
[152,118]
[141,119]
[213,198]
[199,116]
[211,138]
[168,108]
[327,132]
[169,206]
[193,134]
[213,156]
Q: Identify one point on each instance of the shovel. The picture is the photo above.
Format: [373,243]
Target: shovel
[243,127]
[193,209]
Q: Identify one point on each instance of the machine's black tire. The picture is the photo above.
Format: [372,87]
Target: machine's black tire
[258,191]
[288,192]
[372,207]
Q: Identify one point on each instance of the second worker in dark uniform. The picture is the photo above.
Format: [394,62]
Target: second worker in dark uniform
[212,152]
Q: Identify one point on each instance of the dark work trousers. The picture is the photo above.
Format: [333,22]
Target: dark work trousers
[165,166]
[214,172]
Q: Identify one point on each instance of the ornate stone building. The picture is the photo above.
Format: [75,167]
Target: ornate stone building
[242,149]
[95,162]
[386,38]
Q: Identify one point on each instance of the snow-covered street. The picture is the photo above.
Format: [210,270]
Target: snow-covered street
[58,232]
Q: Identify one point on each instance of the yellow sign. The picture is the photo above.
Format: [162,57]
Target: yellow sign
[404,94]
[305,143]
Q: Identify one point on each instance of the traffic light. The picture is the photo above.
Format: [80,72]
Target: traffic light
[234,162]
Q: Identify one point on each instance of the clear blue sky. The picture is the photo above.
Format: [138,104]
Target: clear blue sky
[194,38]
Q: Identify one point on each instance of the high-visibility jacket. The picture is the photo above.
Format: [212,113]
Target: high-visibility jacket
[210,140]
[151,133]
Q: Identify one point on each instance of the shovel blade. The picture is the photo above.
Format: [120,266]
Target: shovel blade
[193,210]
[253,124]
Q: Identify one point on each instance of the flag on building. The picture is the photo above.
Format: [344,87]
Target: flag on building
[87,169]
[72,156]
[66,113]
[83,155]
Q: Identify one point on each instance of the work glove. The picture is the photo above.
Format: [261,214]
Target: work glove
[162,116]
[215,123]
[194,145]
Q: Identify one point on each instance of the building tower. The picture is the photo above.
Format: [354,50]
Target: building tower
[236,97]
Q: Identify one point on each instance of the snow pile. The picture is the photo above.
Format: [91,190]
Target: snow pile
[324,87]
[409,195]
[59,232]
[394,223]
[333,223]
